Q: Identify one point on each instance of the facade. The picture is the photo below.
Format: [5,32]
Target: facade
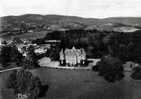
[72,57]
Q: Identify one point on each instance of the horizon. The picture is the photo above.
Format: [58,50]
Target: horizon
[80,8]
[72,16]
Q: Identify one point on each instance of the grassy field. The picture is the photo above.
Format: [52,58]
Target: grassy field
[33,35]
[83,84]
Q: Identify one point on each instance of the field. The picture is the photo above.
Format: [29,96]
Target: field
[82,84]
[34,35]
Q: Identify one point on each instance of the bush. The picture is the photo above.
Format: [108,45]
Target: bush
[95,68]
[110,68]
[25,83]
[136,73]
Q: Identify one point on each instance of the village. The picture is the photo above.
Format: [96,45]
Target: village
[72,58]
[53,60]
[70,49]
[68,56]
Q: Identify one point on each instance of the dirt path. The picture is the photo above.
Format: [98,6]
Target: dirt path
[16,68]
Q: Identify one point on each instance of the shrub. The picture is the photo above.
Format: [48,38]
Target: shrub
[136,73]
[110,68]
[25,83]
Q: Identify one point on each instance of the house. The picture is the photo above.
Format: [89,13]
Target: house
[22,48]
[72,57]
[22,96]
[40,51]
[53,42]
[93,62]
[42,48]
[1,40]
[1,43]
[129,65]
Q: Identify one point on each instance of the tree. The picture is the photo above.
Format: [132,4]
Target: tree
[110,68]
[15,56]
[10,54]
[25,83]
[53,53]
[31,60]
[17,40]
[5,56]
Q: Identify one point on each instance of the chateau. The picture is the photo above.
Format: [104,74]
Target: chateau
[72,57]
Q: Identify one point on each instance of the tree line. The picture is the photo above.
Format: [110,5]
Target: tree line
[125,46]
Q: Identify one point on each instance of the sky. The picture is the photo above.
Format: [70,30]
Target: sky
[83,8]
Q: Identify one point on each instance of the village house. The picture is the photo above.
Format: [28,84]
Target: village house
[21,96]
[93,62]
[72,57]
[42,48]
[129,65]
[1,40]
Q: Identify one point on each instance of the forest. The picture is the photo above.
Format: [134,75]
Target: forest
[125,46]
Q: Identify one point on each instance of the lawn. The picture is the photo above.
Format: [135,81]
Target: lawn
[83,84]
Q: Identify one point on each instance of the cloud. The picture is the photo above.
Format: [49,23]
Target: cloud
[85,8]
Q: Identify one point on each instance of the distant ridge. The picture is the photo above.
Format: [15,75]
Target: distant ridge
[60,22]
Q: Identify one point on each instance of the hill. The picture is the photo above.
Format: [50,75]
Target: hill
[29,23]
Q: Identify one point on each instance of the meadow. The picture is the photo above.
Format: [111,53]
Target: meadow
[80,84]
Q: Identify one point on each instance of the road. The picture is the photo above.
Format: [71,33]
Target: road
[16,68]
